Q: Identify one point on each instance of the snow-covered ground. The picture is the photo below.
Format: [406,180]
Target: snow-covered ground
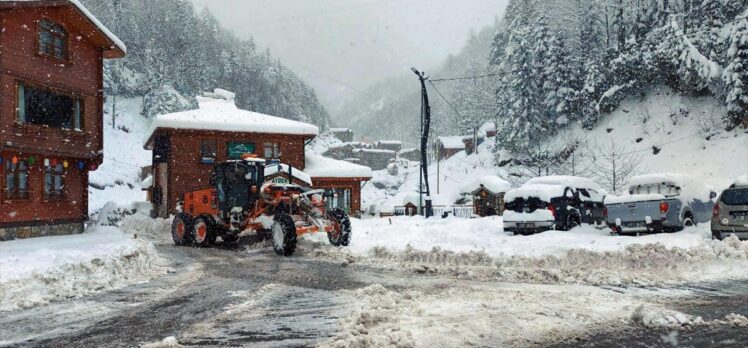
[479,249]
[36,271]
[118,178]
[687,132]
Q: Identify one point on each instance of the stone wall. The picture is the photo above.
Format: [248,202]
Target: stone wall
[23,232]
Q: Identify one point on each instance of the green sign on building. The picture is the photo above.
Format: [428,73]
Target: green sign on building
[236,150]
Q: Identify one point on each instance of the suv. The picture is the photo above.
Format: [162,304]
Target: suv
[659,203]
[730,214]
[552,202]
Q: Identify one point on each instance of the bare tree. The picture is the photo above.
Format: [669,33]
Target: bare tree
[614,165]
[575,156]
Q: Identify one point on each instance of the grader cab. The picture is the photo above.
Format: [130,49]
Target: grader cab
[241,204]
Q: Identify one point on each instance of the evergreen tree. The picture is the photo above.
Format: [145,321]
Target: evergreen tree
[735,76]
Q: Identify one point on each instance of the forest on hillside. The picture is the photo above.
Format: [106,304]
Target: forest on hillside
[551,64]
[175,53]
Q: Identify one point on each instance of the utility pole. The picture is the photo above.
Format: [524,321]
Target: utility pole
[425,125]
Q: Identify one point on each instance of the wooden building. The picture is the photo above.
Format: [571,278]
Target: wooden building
[487,194]
[449,146]
[51,114]
[186,145]
[343,134]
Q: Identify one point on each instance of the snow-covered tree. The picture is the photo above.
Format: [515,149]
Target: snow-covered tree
[735,76]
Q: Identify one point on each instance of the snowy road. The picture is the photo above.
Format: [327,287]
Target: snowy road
[216,297]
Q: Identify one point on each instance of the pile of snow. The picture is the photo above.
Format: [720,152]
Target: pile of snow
[479,249]
[541,191]
[741,181]
[477,315]
[218,112]
[169,342]
[689,187]
[565,180]
[318,166]
[36,271]
[657,317]
[157,230]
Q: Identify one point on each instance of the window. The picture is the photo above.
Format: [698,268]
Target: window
[42,107]
[16,180]
[272,151]
[54,181]
[53,40]
[208,151]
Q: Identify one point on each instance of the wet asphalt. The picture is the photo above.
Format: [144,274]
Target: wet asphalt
[225,297]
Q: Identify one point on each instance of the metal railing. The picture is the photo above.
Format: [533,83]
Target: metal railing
[461,211]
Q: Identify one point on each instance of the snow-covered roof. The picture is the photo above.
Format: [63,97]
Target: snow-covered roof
[217,112]
[492,183]
[95,21]
[565,180]
[542,191]
[391,142]
[375,151]
[409,149]
[741,181]
[322,167]
[452,142]
[297,173]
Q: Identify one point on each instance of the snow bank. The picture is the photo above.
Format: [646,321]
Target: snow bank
[462,314]
[656,317]
[479,249]
[169,342]
[319,166]
[36,271]
[219,113]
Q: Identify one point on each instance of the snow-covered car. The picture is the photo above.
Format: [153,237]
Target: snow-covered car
[552,202]
[730,213]
[665,202]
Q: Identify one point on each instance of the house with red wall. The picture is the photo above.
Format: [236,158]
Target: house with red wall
[51,113]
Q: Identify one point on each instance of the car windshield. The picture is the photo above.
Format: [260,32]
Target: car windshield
[736,196]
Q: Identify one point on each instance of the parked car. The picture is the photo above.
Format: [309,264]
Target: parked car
[664,202]
[552,202]
[730,213]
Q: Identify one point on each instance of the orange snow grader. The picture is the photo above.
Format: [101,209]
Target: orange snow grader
[241,204]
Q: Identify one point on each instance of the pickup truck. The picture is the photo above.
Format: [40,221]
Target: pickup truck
[659,203]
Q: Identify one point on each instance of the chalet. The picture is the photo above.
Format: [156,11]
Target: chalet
[392,145]
[449,146]
[51,113]
[377,159]
[187,144]
[343,134]
[410,154]
[487,193]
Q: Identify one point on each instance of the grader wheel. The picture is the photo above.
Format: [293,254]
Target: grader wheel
[284,235]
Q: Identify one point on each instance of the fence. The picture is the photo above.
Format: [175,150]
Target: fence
[462,211]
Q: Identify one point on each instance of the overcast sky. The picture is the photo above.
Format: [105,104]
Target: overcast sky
[339,46]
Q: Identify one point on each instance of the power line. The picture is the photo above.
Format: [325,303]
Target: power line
[465,78]
[332,79]
[445,99]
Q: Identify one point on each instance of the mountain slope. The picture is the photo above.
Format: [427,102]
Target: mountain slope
[174,52]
